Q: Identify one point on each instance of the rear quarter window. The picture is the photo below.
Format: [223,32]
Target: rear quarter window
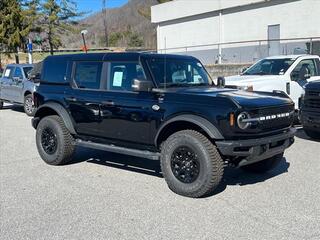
[55,70]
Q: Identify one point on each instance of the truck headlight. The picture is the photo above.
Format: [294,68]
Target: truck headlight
[242,120]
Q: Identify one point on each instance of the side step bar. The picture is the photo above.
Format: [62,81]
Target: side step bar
[120,150]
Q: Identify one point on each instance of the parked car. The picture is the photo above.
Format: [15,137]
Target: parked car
[285,73]
[16,88]
[159,107]
[310,110]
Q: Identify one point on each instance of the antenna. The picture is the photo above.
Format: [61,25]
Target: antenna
[104,10]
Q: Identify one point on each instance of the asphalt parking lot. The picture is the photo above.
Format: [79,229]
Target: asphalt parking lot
[110,196]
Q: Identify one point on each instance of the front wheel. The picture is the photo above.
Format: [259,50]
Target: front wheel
[28,105]
[264,165]
[54,142]
[191,164]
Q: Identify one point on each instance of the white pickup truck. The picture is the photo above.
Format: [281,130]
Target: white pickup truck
[285,73]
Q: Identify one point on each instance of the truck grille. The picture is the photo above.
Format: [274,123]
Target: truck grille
[312,99]
[277,123]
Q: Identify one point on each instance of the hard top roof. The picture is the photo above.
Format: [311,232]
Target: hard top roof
[117,56]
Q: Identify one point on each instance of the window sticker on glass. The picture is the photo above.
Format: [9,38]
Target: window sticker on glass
[117,79]
[7,72]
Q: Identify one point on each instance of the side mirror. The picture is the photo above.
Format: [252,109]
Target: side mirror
[34,77]
[221,82]
[244,69]
[142,85]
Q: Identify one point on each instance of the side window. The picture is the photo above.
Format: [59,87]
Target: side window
[122,75]
[318,66]
[18,73]
[88,74]
[8,73]
[304,70]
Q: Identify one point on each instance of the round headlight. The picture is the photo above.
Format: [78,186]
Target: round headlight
[242,124]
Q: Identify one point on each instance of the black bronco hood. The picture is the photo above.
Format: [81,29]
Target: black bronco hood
[245,99]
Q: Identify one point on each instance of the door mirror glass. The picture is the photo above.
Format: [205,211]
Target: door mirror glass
[141,85]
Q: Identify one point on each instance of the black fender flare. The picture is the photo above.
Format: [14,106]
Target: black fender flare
[60,110]
[203,123]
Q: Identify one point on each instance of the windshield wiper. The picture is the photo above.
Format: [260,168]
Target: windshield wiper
[185,84]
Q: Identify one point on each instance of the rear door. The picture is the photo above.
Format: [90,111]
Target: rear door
[84,97]
[6,83]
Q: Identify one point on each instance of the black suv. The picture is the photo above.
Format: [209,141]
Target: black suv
[310,110]
[159,107]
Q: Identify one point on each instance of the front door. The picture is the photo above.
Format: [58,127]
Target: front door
[299,78]
[126,115]
[17,85]
[274,39]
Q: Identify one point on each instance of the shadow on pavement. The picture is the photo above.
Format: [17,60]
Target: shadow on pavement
[232,176]
[16,108]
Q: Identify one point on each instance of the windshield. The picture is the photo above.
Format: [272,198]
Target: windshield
[178,72]
[270,67]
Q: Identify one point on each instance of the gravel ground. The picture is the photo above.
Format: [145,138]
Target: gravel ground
[110,196]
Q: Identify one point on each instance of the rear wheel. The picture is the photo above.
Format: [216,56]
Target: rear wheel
[54,142]
[264,165]
[191,164]
[28,105]
[312,133]
[1,104]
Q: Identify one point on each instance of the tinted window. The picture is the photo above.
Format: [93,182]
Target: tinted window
[122,75]
[88,74]
[178,72]
[305,69]
[18,73]
[270,67]
[55,69]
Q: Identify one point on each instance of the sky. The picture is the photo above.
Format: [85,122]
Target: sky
[96,5]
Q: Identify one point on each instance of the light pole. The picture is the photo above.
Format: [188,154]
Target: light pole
[84,32]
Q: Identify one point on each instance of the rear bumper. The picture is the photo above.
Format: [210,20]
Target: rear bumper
[310,120]
[254,150]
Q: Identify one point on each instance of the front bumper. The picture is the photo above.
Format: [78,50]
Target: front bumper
[310,120]
[254,150]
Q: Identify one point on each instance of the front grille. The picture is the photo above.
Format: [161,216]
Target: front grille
[277,123]
[312,99]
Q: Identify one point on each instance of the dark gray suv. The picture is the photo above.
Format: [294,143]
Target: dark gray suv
[16,88]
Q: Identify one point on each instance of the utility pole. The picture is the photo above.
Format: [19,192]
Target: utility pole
[104,10]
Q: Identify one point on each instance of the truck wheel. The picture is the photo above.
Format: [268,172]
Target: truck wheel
[28,105]
[191,164]
[54,142]
[1,104]
[312,134]
[264,165]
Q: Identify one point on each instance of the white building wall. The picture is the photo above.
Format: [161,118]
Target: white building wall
[184,23]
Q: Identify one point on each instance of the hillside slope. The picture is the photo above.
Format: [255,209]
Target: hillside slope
[126,27]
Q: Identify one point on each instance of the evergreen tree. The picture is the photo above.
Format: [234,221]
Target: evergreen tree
[57,18]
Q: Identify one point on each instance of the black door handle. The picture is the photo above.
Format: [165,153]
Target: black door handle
[107,103]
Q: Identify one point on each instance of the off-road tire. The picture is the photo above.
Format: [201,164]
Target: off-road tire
[1,104]
[312,134]
[29,110]
[65,142]
[210,161]
[264,165]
